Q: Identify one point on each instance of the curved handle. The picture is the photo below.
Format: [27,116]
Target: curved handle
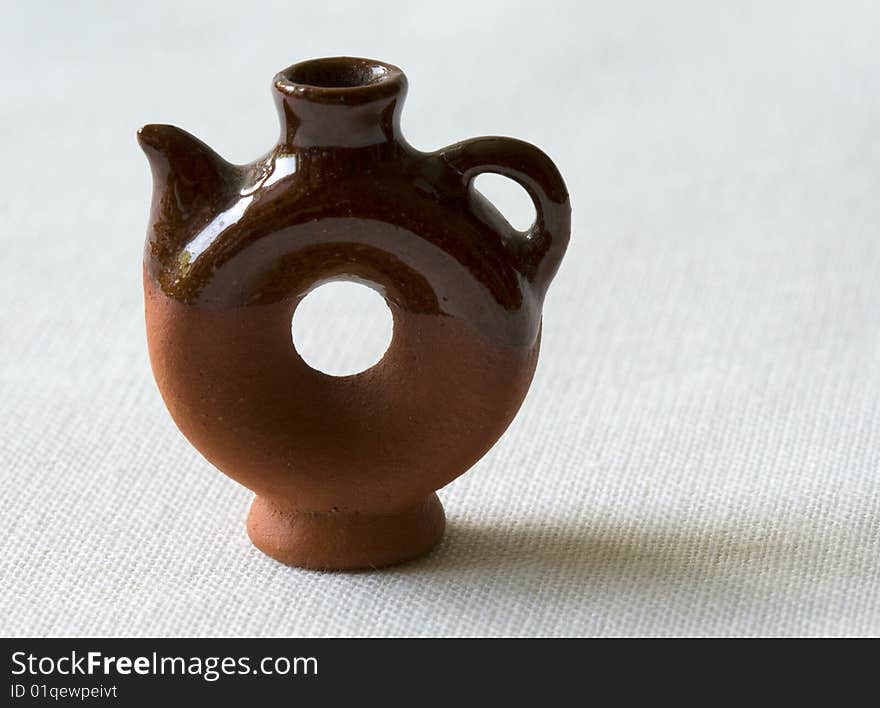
[538,252]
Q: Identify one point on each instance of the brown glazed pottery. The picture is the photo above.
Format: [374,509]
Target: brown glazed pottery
[345,468]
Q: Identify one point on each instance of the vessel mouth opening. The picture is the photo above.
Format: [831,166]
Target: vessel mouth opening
[337,73]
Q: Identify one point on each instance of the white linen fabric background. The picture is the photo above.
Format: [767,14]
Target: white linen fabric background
[700,450]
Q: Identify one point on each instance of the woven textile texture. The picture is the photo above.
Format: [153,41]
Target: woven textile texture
[700,451]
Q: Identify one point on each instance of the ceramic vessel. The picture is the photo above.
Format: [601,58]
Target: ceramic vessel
[345,468]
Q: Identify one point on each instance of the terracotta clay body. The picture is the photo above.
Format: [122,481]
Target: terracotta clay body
[345,468]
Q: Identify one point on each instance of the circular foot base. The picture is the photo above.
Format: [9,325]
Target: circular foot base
[343,540]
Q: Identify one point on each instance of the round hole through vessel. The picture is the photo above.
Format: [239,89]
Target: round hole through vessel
[342,328]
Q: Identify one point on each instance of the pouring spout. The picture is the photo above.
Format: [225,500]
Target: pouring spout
[191,185]
[186,167]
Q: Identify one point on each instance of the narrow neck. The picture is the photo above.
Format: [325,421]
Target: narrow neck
[339,102]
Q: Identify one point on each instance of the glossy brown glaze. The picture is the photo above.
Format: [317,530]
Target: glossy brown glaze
[344,468]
